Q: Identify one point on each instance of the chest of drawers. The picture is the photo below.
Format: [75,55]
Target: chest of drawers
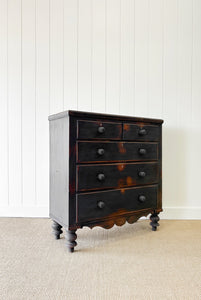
[104,170]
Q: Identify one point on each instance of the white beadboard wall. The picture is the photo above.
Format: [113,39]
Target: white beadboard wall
[132,57]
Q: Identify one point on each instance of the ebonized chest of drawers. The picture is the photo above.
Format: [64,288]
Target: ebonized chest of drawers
[104,170]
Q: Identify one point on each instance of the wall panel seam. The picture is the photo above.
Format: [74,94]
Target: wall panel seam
[91,13]
[21,82]
[63,54]
[133,112]
[35,107]
[120,53]
[148,48]
[78,2]
[49,53]
[105,55]
[192,51]
[162,100]
[7,87]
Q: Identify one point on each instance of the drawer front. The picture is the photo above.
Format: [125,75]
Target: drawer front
[141,132]
[99,130]
[98,205]
[115,151]
[93,177]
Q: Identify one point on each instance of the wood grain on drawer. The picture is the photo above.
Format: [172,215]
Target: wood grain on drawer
[141,132]
[115,151]
[96,205]
[99,130]
[91,177]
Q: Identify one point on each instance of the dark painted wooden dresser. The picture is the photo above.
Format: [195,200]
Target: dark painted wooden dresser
[104,170]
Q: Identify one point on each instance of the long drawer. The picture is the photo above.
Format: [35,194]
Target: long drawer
[92,177]
[96,205]
[115,151]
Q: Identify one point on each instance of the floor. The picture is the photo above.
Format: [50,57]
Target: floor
[128,262]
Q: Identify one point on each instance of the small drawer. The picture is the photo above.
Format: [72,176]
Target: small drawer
[88,152]
[98,205]
[99,130]
[92,177]
[140,132]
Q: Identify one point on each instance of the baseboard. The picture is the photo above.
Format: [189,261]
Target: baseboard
[181,213]
[175,213]
[27,212]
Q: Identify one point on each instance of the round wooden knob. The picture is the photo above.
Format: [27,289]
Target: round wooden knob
[101,177]
[142,151]
[101,204]
[142,198]
[100,151]
[142,174]
[142,132]
[101,129]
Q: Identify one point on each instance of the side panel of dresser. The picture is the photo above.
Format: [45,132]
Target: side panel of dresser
[59,164]
[159,201]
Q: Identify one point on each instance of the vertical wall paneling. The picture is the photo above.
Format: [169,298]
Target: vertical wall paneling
[56,55]
[113,39]
[84,54]
[132,57]
[70,54]
[184,61]
[3,105]
[184,88]
[14,103]
[98,55]
[42,102]
[194,140]
[141,56]
[28,102]
[196,63]
[170,61]
[155,58]
[127,58]
[170,99]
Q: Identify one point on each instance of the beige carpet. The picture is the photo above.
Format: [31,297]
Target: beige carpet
[129,262]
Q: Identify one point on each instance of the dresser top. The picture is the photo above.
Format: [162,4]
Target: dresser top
[84,114]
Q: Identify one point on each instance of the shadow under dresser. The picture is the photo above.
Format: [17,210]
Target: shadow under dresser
[104,170]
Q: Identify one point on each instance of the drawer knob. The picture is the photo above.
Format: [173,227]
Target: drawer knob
[142,151]
[142,132]
[101,129]
[101,177]
[142,174]
[101,204]
[142,198]
[100,151]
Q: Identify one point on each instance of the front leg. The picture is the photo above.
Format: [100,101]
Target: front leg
[154,221]
[56,230]
[70,239]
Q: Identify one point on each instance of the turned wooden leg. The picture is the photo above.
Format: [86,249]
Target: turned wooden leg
[56,230]
[154,221]
[70,239]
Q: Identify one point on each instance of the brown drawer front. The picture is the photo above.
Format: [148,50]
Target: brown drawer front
[93,177]
[115,151]
[97,205]
[141,132]
[99,130]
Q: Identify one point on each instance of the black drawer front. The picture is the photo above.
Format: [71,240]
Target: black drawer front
[91,177]
[97,205]
[99,130]
[115,151]
[141,132]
